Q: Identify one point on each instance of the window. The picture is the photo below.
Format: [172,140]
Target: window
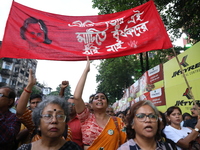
[4,80]
[7,66]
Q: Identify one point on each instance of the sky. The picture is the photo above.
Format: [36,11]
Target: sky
[52,73]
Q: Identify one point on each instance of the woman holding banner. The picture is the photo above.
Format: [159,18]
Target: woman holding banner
[100,131]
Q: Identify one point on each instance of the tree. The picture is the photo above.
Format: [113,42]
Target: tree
[116,74]
[67,93]
[185,15]
[35,90]
[176,14]
[108,68]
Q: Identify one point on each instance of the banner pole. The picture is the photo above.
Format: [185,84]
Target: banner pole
[186,81]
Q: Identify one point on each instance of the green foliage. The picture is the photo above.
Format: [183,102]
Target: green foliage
[67,92]
[34,91]
[176,14]
[184,14]
[116,74]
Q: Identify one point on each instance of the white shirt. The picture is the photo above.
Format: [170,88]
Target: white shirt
[175,134]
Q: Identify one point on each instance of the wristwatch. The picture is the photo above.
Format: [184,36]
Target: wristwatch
[196,129]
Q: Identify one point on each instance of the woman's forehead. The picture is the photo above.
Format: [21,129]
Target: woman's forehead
[145,109]
[53,107]
[100,94]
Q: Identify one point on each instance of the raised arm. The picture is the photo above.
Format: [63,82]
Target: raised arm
[64,84]
[23,100]
[79,103]
[185,142]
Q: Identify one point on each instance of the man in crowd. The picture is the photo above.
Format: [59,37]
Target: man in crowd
[110,111]
[74,122]
[24,135]
[35,99]
[195,112]
[9,123]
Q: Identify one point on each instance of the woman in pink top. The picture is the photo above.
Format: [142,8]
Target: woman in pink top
[99,130]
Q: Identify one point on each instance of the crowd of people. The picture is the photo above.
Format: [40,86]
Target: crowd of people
[56,123]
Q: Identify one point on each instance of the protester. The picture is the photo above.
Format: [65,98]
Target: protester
[90,102]
[182,136]
[100,131]
[163,123]
[63,86]
[88,105]
[74,123]
[192,122]
[24,136]
[110,111]
[50,117]
[35,99]
[91,98]
[186,116]
[122,116]
[9,123]
[25,114]
[143,128]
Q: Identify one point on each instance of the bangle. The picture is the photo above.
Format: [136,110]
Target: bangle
[27,90]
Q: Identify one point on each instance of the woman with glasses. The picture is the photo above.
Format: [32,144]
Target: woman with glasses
[143,128]
[50,117]
[182,136]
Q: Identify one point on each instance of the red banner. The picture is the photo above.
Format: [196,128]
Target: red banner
[35,34]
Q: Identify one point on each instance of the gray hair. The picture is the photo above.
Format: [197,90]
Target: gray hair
[36,114]
[133,109]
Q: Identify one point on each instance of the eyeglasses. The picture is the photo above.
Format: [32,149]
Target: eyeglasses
[71,104]
[2,95]
[49,117]
[142,117]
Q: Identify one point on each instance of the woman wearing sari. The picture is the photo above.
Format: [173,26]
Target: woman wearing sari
[100,131]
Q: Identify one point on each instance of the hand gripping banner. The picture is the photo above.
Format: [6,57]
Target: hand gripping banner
[35,34]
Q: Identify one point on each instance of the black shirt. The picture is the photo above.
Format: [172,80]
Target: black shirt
[190,123]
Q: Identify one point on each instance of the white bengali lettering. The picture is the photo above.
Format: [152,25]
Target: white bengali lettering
[115,47]
[136,17]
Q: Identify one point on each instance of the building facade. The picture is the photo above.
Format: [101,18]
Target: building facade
[15,72]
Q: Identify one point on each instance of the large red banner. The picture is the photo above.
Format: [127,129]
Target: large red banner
[35,34]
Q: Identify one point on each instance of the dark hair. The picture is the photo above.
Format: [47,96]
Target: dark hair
[198,104]
[171,109]
[98,93]
[35,96]
[33,20]
[186,114]
[164,121]
[91,96]
[120,112]
[11,94]
[163,118]
[131,132]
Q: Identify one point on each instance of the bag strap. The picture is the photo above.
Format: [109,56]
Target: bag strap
[117,126]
